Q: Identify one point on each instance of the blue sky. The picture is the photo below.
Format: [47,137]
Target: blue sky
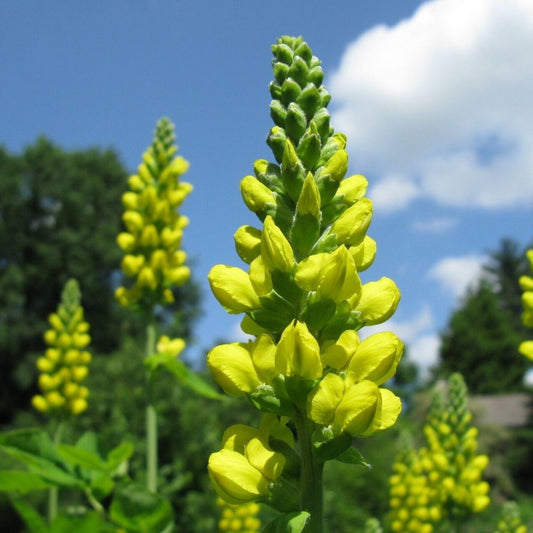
[435,98]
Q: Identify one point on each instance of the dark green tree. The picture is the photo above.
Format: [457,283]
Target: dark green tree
[483,334]
[60,213]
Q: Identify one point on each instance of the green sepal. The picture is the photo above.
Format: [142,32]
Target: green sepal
[318,313]
[284,496]
[304,234]
[292,172]
[283,52]
[315,75]
[278,113]
[327,186]
[275,90]
[270,320]
[298,389]
[136,509]
[344,319]
[332,211]
[327,243]
[295,122]
[288,523]
[285,287]
[298,71]
[281,71]
[353,457]
[271,399]
[309,100]
[290,90]
[327,447]
[309,148]
[321,118]
[276,140]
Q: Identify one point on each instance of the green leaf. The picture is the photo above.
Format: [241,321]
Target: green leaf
[35,449]
[101,485]
[21,481]
[139,510]
[118,455]
[31,518]
[327,449]
[183,374]
[288,523]
[88,441]
[353,457]
[90,522]
[80,457]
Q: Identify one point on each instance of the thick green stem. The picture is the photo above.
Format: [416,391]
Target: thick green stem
[312,499]
[53,494]
[151,420]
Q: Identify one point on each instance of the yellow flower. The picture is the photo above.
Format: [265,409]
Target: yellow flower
[233,289]
[378,302]
[276,250]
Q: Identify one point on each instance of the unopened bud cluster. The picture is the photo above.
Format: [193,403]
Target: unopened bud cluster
[154,260]
[511,521]
[301,293]
[444,479]
[526,282]
[64,365]
[238,518]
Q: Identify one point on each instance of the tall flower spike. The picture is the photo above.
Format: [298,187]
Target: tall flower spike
[64,365]
[301,292]
[153,260]
[526,282]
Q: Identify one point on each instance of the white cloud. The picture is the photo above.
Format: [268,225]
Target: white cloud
[442,103]
[435,225]
[456,274]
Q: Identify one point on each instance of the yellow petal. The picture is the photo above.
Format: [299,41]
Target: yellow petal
[359,410]
[268,462]
[339,279]
[308,271]
[276,250]
[248,243]
[234,479]
[351,226]
[379,299]
[309,200]
[237,437]
[260,276]
[377,357]
[324,399]
[233,289]
[264,358]
[364,253]
[391,407]
[338,353]
[298,353]
[352,188]
[233,369]
[256,195]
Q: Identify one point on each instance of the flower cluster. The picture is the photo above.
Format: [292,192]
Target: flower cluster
[64,365]
[302,295]
[153,260]
[443,479]
[511,521]
[526,282]
[238,518]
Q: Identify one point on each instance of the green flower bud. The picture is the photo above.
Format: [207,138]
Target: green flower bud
[248,243]
[255,195]
[276,250]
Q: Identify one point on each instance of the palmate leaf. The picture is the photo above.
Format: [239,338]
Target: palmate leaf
[136,509]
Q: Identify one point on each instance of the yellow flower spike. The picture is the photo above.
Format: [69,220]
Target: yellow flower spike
[234,479]
[260,277]
[133,221]
[323,401]
[276,250]
[359,411]
[364,253]
[248,243]
[233,289]
[78,406]
[309,200]
[298,353]
[158,261]
[256,196]
[351,226]
[268,462]
[377,357]
[149,236]
[307,274]
[378,302]
[54,399]
[56,322]
[352,188]
[233,369]
[339,279]
[337,354]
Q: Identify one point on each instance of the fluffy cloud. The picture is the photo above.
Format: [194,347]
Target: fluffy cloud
[435,225]
[456,274]
[439,106]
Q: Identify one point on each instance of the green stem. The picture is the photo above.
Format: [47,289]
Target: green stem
[53,493]
[312,499]
[151,420]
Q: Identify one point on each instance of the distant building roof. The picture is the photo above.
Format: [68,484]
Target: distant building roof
[505,410]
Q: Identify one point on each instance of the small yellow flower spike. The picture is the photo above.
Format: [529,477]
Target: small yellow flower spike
[153,260]
[238,518]
[526,282]
[64,365]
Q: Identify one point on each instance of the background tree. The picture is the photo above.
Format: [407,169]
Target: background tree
[59,217]
[483,334]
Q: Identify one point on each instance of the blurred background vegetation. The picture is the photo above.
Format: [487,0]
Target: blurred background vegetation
[59,216]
